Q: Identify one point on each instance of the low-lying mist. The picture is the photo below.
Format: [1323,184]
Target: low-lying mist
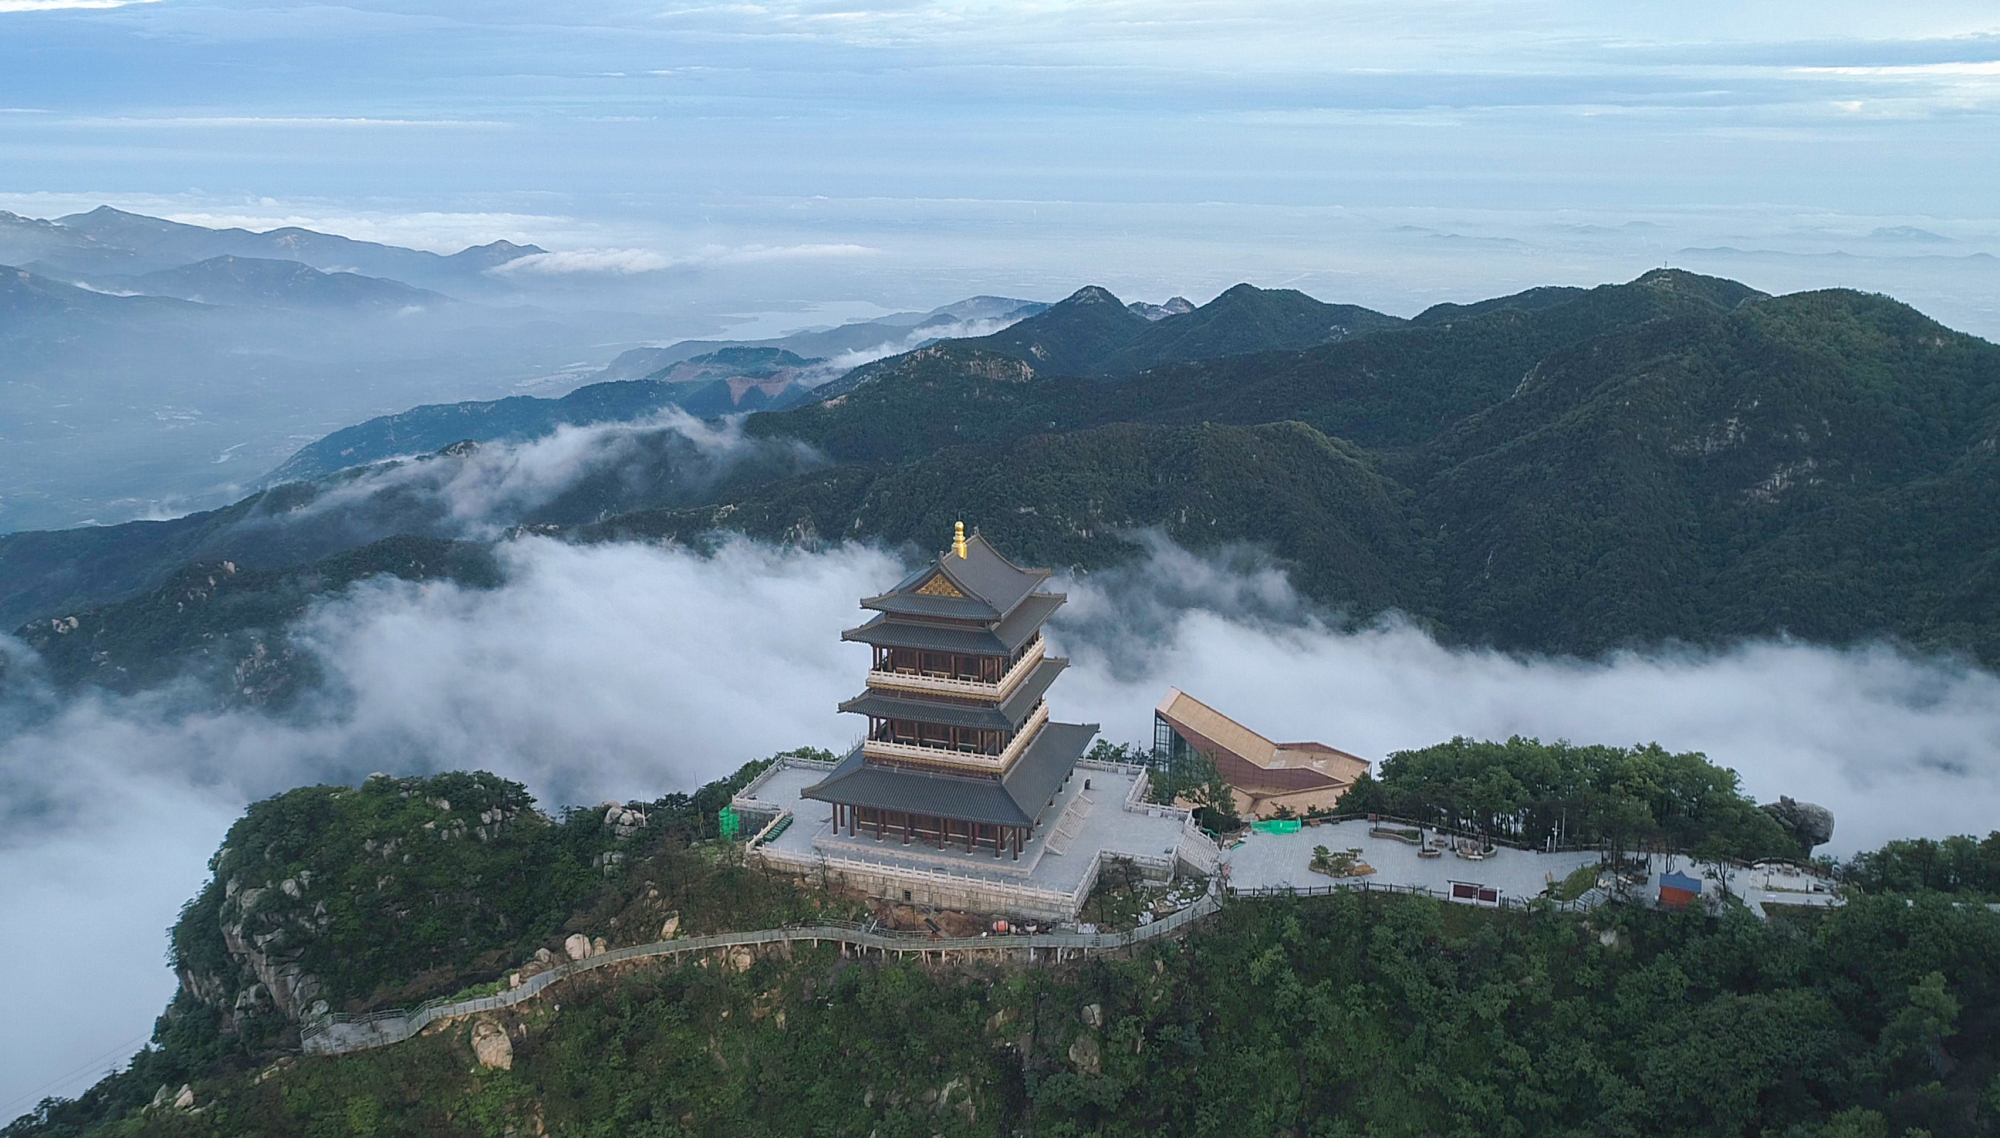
[574,474]
[833,367]
[627,671]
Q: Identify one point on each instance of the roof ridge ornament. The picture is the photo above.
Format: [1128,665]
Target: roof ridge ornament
[958,539]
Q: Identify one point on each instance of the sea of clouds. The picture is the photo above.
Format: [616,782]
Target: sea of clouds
[628,671]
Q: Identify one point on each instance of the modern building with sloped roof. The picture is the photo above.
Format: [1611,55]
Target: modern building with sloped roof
[1266,777]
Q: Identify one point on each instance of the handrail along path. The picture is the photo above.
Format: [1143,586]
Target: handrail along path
[339,1033]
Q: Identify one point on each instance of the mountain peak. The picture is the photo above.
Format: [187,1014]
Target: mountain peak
[1175,306]
[492,254]
[1720,291]
[1092,294]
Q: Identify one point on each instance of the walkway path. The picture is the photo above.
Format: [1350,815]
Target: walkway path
[338,1033]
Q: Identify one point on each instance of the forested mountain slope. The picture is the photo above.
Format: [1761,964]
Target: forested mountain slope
[717,383]
[1678,458]
[1820,464]
[1093,333]
[224,625]
[1391,388]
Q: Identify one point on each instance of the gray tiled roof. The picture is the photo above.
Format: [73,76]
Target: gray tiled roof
[1008,716]
[1003,638]
[1017,800]
[992,585]
[986,573]
[1020,625]
[891,633]
[920,604]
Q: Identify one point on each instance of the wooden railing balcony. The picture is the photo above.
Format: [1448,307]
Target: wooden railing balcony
[945,685]
[964,760]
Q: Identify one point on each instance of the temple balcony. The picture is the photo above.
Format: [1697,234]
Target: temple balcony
[963,760]
[928,684]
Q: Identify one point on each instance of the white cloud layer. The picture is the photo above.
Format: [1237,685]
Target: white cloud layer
[62,5]
[625,261]
[629,262]
[628,671]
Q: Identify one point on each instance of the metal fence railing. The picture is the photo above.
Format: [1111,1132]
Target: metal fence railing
[339,1033]
[1590,899]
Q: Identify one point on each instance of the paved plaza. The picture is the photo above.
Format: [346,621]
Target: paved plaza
[1091,816]
[1277,861]
[1085,820]
[1280,861]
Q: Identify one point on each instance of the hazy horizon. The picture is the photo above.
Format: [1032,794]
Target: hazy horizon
[909,155]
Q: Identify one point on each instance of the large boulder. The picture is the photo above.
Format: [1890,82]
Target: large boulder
[1809,824]
[623,821]
[1087,1054]
[491,1045]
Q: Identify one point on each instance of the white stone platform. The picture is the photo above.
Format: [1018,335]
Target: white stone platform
[1278,861]
[1054,875]
[1283,861]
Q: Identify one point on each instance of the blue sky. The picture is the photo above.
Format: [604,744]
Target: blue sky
[1391,153]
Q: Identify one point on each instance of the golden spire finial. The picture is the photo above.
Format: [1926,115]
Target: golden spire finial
[958,539]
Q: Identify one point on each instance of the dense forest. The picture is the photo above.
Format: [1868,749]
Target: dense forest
[1618,798]
[1346,1015]
[1963,865]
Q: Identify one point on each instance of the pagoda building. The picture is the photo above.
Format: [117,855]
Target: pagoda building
[960,750]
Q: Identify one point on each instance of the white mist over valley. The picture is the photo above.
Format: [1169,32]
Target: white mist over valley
[623,671]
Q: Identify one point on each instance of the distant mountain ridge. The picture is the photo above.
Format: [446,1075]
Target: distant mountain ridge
[256,282]
[1093,333]
[906,329]
[108,240]
[719,383]
[705,378]
[1674,459]
[27,297]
